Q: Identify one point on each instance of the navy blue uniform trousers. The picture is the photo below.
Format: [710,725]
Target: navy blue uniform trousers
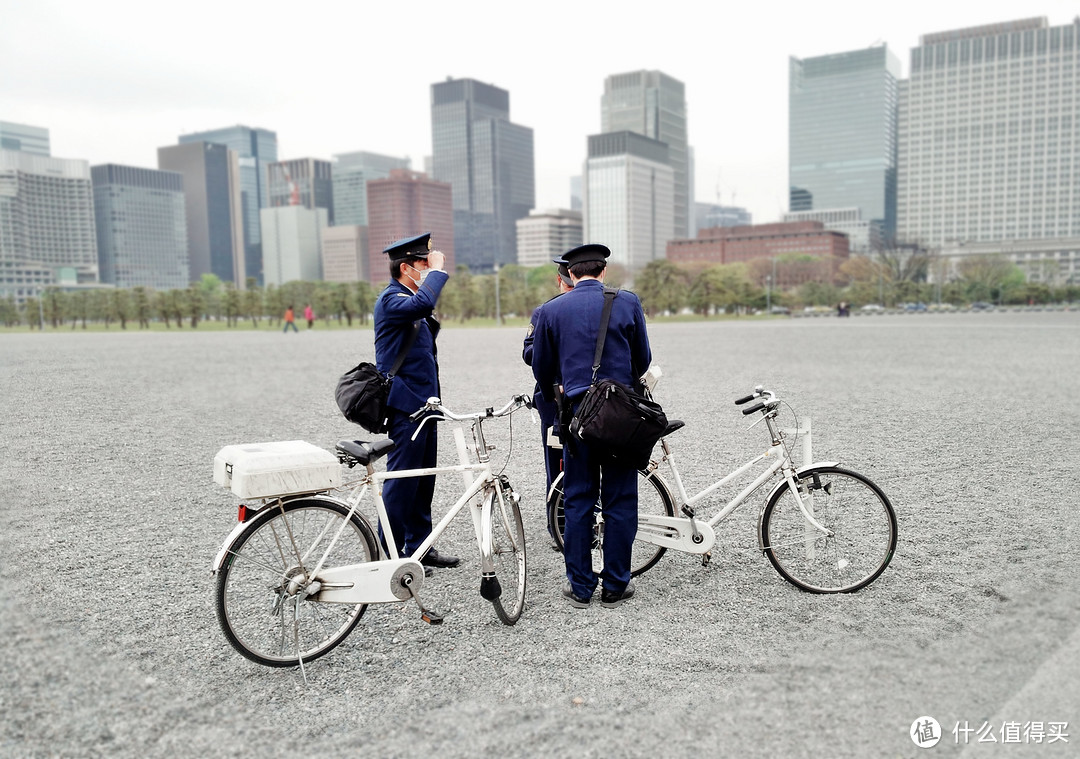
[587,481]
[408,500]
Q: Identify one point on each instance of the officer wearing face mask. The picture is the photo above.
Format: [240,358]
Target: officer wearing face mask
[405,311]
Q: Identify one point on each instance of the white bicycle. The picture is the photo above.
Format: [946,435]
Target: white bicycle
[825,529]
[297,572]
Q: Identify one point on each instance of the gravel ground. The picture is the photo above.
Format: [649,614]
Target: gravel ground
[109,521]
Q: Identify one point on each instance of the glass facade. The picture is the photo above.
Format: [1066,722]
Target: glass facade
[654,104]
[488,162]
[629,191]
[843,134]
[256,149]
[350,175]
[141,227]
[24,138]
[990,135]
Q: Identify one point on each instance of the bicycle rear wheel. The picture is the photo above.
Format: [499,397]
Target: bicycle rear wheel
[508,555]
[854,509]
[257,604]
[654,499]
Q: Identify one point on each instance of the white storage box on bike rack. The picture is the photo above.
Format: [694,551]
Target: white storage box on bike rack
[261,470]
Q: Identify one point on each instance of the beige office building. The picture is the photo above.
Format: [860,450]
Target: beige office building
[345,253]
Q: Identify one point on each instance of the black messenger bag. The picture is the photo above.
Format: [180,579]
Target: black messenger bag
[618,422]
[362,392]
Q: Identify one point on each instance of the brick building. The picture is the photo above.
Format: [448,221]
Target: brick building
[404,204]
[759,243]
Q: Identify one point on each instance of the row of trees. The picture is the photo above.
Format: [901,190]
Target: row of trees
[664,288]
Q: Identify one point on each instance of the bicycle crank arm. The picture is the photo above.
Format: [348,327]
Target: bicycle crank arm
[677,533]
[373,582]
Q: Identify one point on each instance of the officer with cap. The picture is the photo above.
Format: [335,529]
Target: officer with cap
[564,343]
[407,305]
[547,410]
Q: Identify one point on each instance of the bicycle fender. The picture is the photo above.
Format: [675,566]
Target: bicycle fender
[675,532]
[799,471]
[239,527]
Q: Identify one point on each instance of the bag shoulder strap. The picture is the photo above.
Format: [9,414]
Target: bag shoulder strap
[605,317]
[404,351]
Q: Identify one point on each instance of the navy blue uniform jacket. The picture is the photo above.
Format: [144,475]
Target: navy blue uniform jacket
[395,311]
[564,340]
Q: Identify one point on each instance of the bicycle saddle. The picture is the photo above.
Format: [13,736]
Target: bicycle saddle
[365,452]
[673,425]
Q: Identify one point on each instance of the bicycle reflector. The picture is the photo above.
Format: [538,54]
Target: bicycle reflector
[243,515]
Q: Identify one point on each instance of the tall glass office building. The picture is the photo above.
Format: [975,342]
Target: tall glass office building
[488,162]
[350,174]
[629,192]
[141,227]
[24,138]
[842,135]
[990,139]
[255,149]
[654,104]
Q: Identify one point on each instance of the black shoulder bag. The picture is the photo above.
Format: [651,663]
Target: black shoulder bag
[617,421]
[362,392]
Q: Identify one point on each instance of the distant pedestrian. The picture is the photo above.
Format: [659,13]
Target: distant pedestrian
[309,314]
[290,320]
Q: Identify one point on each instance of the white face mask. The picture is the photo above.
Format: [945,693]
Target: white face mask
[423,275]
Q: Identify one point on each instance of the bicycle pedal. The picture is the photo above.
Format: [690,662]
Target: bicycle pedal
[431,617]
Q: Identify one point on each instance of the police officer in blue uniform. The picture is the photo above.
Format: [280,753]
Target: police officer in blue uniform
[408,303]
[547,409]
[564,342]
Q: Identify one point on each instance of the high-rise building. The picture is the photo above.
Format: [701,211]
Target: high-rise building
[305,182]
[990,139]
[46,223]
[654,104]
[292,249]
[212,205]
[708,215]
[255,150]
[628,192]
[489,163]
[345,253]
[544,235]
[351,173]
[141,227]
[24,138]
[404,204]
[842,132]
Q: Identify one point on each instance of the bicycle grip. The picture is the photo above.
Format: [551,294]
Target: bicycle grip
[418,413]
[752,409]
[745,399]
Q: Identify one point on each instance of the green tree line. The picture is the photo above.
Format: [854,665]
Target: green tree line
[890,278]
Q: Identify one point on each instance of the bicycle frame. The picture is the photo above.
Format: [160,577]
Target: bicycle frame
[693,536]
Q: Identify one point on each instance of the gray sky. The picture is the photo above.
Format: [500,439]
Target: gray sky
[114,80]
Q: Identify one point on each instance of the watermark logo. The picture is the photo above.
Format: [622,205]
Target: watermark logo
[925,732]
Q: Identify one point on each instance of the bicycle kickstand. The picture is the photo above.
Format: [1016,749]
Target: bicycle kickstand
[426,615]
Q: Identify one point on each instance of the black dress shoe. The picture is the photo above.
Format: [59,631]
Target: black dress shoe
[609,598]
[575,600]
[435,559]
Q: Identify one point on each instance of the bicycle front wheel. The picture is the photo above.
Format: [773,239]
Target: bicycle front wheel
[859,517]
[508,556]
[259,607]
[654,499]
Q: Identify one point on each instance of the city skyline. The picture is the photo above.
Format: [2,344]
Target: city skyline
[109,91]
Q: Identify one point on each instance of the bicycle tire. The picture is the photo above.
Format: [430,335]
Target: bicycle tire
[508,555]
[254,576]
[860,517]
[655,500]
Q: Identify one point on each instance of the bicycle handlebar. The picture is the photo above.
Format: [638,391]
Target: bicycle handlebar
[769,401]
[435,404]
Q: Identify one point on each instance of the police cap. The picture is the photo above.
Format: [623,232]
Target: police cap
[414,247]
[586,253]
[564,268]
